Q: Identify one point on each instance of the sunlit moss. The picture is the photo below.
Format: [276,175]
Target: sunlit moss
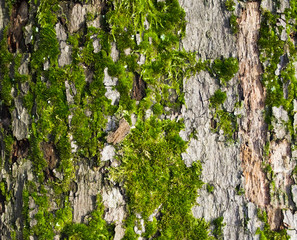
[230,5]
[97,228]
[154,175]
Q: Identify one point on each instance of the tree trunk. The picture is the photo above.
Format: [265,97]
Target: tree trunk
[114,114]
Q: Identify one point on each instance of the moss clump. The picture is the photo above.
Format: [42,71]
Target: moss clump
[266,233]
[4,191]
[48,222]
[230,5]
[45,35]
[153,30]
[25,214]
[224,69]
[239,190]
[154,175]
[9,79]
[152,169]
[234,24]
[280,82]
[225,121]
[218,227]
[217,99]
[6,59]
[210,188]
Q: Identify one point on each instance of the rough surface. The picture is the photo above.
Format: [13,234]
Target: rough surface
[294,193]
[108,153]
[77,17]
[280,119]
[20,120]
[110,83]
[253,128]
[115,206]
[114,203]
[220,162]
[84,193]
[212,40]
[120,133]
[18,19]
[21,173]
[234,169]
[290,221]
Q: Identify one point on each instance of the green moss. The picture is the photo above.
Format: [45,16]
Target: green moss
[210,188]
[239,190]
[266,233]
[158,109]
[234,24]
[218,227]
[225,121]
[25,214]
[152,168]
[230,5]
[165,66]
[45,35]
[13,235]
[272,49]
[4,191]
[267,149]
[154,174]
[151,228]
[96,228]
[8,143]
[48,222]
[44,227]
[225,69]
[217,99]
[90,16]
[6,59]
[9,4]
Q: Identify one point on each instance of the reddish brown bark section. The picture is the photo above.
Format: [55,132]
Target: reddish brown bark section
[120,133]
[253,128]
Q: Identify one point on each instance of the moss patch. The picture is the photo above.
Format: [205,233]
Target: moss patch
[147,35]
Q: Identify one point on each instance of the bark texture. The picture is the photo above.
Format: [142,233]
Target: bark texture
[237,170]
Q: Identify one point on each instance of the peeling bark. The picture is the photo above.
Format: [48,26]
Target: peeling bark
[253,128]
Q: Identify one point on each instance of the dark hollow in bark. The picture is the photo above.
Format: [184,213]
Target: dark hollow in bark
[20,149]
[18,20]
[139,87]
